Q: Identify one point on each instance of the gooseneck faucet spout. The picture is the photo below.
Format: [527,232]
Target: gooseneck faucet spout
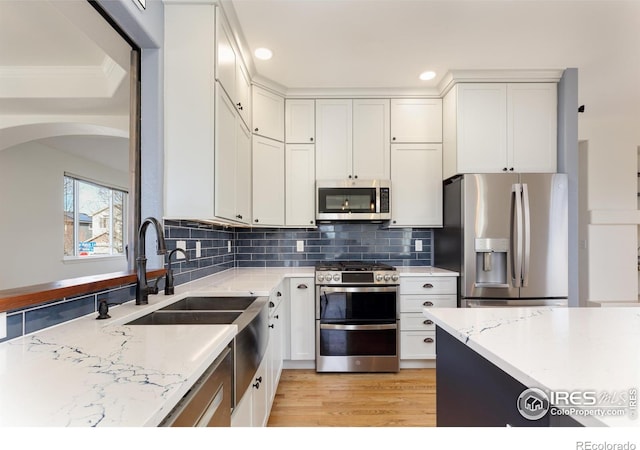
[142,288]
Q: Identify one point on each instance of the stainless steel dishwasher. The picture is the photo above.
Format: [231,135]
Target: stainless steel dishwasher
[209,402]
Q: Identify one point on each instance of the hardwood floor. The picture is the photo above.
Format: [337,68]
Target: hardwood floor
[306,399]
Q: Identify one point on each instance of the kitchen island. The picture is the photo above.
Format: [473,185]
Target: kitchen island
[490,355]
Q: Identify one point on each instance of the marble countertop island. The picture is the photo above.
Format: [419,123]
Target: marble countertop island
[556,349]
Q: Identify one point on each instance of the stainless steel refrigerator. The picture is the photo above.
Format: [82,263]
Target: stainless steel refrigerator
[507,236]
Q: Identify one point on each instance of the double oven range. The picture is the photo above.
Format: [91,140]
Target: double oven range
[357,319]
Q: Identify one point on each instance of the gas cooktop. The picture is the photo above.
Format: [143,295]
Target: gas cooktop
[352,266]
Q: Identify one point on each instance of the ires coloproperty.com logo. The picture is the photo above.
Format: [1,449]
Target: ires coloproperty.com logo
[534,403]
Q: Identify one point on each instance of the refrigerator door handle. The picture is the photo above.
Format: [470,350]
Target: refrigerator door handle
[516,235]
[526,235]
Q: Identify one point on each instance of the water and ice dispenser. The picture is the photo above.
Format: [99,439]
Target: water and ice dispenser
[491,262]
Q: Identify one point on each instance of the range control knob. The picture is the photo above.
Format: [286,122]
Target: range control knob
[394,277]
[387,277]
[320,277]
[336,277]
[379,277]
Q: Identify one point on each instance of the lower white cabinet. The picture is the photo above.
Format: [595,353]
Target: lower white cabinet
[302,319]
[417,333]
[253,408]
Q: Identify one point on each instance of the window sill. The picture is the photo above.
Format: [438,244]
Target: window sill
[22,297]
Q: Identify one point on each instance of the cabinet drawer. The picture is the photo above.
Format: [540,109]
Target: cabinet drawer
[415,303]
[428,285]
[416,322]
[417,345]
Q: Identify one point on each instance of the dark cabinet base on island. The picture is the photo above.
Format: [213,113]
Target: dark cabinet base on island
[473,392]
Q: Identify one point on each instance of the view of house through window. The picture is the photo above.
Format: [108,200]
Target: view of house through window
[94,218]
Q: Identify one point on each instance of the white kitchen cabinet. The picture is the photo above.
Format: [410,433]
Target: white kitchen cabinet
[268,114]
[300,121]
[230,71]
[417,333]
[302,319]
[371,150]
[232,147]
[300,185]
[189,113]
[268,182]
[416,120]
[500,127]
[416,185]
[352,139]
[277,321]
[334,142]
[252,409]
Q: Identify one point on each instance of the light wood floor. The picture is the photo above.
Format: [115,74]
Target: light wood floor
[306,399]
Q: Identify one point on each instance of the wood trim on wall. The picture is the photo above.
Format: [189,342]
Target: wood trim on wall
[17,298]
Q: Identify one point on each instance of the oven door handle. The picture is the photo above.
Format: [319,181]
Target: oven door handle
[386,326]
[340,289]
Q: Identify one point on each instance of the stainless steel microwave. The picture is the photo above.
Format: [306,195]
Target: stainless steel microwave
[353,200]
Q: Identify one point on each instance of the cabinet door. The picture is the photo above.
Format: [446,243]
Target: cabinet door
[268,182]
[302,318]
[416,185]
[300,121]
[225,58]
[243,94]
[482,127]
[371,152]
[532,127]
[259,392]
[268,114]
[300,185]
[243,412]
[225,156]
[243,173]
[333,139]
[276,350]
[416,120]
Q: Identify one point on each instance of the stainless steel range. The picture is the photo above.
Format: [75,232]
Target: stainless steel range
[357,320]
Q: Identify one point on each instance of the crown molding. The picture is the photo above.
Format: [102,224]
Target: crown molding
[454,77]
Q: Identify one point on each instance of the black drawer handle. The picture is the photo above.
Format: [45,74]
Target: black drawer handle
[271,326]
[303,286]
[271,304]
[278,294]
[428,322]
[427,304]
[427,286]
[428,340]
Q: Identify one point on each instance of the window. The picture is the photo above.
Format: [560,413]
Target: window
[94,218]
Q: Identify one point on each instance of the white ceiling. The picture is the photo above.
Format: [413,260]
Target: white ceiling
[387,43]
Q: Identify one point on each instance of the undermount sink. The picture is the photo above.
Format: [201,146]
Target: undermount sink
[198,311]
[211,304]
[187,318]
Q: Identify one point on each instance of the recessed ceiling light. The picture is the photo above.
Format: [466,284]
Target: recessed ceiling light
[263,53]
[428,75]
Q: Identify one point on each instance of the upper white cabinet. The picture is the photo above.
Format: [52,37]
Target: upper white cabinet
[416,185]
[232,162]
[189,113]
[300,185]
[416,120]
[230,70]
[300,122]
[352,139]
[500,127]
[268,114]
[268,182]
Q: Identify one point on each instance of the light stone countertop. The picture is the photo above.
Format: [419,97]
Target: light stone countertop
[105,373]
[555,349]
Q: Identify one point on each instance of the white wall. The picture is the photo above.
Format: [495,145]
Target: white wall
[612,205]
[32,221]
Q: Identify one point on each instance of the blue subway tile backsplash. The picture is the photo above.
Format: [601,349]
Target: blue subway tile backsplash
[250,247]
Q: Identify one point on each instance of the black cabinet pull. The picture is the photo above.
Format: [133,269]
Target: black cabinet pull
[256,220]
[311,139]
[349,176]
[504,169]
[427,304]
[256,385]
[271,304]
[257,130]
[511,169]
[428,322]
[303,286]
[311,222]
[277,316]
[355,176]
[427,285]
[259,379]
[239,106]
[278,294]
[393,139]
[428,340]
[238,216]
[271,326]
